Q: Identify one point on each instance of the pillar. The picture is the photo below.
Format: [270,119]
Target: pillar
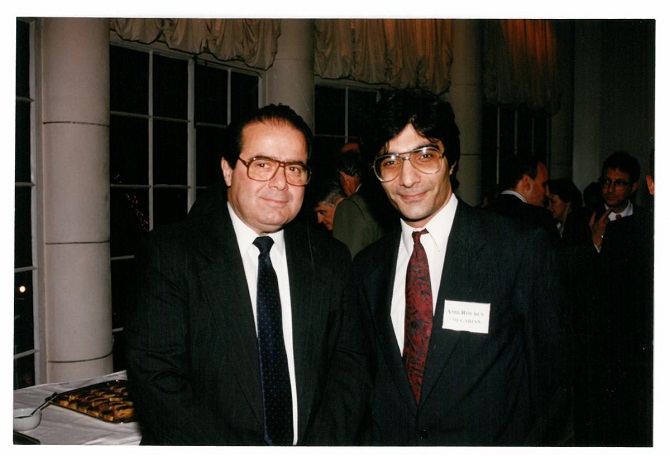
[75,195]
[290,80]
[465,95]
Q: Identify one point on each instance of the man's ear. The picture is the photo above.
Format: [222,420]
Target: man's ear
[634,187]
[452,168]
[227,172]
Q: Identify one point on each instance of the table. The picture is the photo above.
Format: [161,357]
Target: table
[60,426]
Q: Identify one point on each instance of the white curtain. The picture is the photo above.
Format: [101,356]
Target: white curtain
[399,52]
[252,41]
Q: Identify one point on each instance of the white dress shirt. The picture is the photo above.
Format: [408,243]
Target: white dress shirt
[625,213]
[435,245]
[245,241]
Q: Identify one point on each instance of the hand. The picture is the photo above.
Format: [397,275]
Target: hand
[598,227]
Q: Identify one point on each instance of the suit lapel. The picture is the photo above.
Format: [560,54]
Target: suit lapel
[301,278]
[225,289]
[381,279]
[465,241]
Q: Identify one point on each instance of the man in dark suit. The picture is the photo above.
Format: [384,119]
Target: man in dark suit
[476,357]
[523,179]
[613,283]
[199,366]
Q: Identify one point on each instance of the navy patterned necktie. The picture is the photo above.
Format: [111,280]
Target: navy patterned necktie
[277,403]
[418,315]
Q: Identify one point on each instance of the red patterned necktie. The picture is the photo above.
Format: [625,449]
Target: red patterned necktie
[418,315]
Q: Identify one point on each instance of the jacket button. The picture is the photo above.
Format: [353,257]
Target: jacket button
[422,434]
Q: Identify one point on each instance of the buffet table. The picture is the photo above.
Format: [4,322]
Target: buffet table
[60,426]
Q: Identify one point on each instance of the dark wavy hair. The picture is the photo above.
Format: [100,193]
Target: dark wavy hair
[277,114]
[430,116]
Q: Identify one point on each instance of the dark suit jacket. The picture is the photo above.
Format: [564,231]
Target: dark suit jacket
[507,387]
[511,206]
[192,349]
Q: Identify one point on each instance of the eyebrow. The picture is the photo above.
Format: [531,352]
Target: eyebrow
[413,150]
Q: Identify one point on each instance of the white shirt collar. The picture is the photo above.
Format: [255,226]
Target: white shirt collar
[246,235]
[512,192]
[438,227]
[625,213]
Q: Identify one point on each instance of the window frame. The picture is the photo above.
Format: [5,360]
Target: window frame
[191,186]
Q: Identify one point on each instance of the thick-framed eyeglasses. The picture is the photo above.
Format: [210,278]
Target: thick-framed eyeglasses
[619,184]
[426,159]
[265,168]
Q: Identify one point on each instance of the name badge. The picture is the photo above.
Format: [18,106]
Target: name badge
[466,316]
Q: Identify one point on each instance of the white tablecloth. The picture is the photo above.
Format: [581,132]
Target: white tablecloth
[60,426]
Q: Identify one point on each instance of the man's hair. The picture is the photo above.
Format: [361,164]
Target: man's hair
[430,116]
[328,192]
[270,114]
[515,167]
[623,162]
[566,190]
[351,163]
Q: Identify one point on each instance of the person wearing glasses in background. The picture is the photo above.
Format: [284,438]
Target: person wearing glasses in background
[217,355]
[461,305]
[614,313]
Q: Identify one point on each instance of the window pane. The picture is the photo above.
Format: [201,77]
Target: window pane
[22,59]
[170,153]
[22,228]
[209,149]
[23,312]
[169,206]
[361,104]
[211,101]
[329,112]
[24,372]
[170,87]
[129,80]
[244,94]
[129,150]
[22,142]
[325,152]
[129,219]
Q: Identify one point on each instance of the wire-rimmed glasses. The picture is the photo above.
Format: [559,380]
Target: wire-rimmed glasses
[426,159]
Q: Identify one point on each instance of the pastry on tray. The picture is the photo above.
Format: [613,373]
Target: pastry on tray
[107,401]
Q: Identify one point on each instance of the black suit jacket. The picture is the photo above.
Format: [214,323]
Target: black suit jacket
[511,206]
[506,387]
[192,350]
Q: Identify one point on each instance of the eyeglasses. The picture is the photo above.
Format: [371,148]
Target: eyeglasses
[426,159]
[264,168]
[619,184]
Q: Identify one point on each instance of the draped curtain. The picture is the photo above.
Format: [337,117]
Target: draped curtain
[252,41]
[520,64]
[399,52]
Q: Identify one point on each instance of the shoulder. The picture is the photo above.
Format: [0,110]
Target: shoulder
[315,243]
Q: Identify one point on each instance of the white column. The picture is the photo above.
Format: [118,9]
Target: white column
[290,80]
[75,150]
[465,95]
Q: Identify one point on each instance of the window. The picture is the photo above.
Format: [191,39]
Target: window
[341,115]
[169,113]
[25,270]
[508,131]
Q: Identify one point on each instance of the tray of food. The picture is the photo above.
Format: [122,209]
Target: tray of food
[108,401]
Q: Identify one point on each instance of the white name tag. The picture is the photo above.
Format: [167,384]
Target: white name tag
[466,316]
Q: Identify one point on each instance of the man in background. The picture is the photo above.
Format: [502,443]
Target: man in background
[522,180]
